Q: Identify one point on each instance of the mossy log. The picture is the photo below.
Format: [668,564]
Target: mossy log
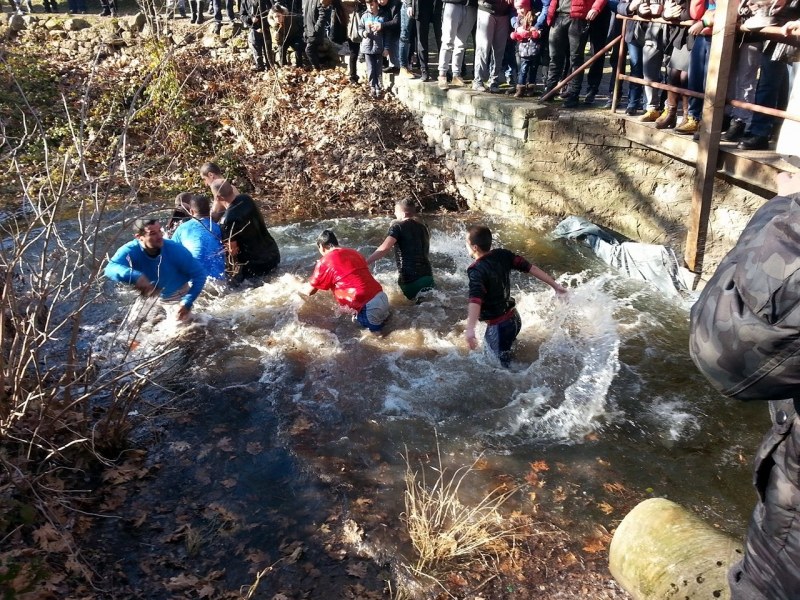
[661,551]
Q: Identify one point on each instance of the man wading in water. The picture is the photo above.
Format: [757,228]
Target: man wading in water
[410,239]
[156,266]
[490,292]
[345,272]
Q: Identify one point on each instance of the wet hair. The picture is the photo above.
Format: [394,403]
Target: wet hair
[139,225]
[201,205]
[210,168]
[480,236]
[183,199]
[407,205]
[222,188]
[327,239]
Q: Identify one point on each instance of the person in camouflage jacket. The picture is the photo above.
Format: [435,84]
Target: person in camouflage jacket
[745,337]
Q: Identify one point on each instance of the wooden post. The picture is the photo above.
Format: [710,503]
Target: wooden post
[723,44]
[620,66]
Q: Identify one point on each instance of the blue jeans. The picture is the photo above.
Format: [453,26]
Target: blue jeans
[525,65]
[637,70]
[405,37]
[698,66]
[500,336]
[773,77]
[391,41]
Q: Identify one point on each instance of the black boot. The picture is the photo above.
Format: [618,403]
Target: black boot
[193,10]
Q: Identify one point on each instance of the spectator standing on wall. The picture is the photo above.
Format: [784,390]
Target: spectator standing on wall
[774,73]
[425,14]
[253,14]
[569,32]
[315,23]
[350,15]
[790,131]
[372,46]
[491,35]
[527,36]
[458,19]
[678,66]
[408,38]
[390,12]
[634,43]
[598,37]
[702,12]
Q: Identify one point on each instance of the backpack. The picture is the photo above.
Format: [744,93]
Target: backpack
[745,326]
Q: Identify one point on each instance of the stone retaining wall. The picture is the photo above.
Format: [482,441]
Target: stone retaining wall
[518,157]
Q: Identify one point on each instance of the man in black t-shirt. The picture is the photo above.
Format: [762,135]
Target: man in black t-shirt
[410,239]
[490,292]
[251,250]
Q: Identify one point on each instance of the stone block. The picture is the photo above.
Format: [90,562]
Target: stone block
[614,141]
[16,23]
[432,121]
[76,24]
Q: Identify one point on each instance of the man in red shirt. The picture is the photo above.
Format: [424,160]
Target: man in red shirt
[346,273]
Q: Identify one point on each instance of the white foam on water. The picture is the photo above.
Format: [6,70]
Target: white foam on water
[673,419]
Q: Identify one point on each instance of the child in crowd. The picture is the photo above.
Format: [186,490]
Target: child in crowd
[490,292]
[372,46]
[526,32]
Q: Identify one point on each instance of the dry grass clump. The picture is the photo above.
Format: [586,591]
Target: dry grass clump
[447,533]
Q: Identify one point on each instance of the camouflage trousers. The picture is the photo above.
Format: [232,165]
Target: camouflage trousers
[770,568]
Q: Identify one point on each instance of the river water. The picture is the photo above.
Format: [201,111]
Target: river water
[602,390]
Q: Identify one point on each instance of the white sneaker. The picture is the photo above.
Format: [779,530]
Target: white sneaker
[477,86]
[442,82]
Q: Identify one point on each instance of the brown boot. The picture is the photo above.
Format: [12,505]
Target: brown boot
[668,118]
[520,92]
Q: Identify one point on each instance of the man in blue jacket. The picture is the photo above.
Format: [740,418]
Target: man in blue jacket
[155,266]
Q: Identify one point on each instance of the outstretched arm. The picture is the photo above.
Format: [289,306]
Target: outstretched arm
[559,289]
[382,250]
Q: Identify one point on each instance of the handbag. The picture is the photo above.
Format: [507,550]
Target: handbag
[353,33]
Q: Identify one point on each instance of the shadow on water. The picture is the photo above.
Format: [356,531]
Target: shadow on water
[295,422]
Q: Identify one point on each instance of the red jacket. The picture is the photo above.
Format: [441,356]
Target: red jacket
[578,10]
[698,9]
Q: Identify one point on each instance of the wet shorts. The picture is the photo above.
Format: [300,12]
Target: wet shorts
[374,313]
[410,290]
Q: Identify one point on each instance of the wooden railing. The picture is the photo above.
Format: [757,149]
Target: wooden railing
[724,39]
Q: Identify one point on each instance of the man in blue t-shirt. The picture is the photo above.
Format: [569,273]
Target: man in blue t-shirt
[202,237]
[156,266]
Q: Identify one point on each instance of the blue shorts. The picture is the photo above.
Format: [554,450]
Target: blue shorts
[500,336]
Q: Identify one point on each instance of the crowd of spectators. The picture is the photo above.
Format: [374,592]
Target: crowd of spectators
[519,42]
